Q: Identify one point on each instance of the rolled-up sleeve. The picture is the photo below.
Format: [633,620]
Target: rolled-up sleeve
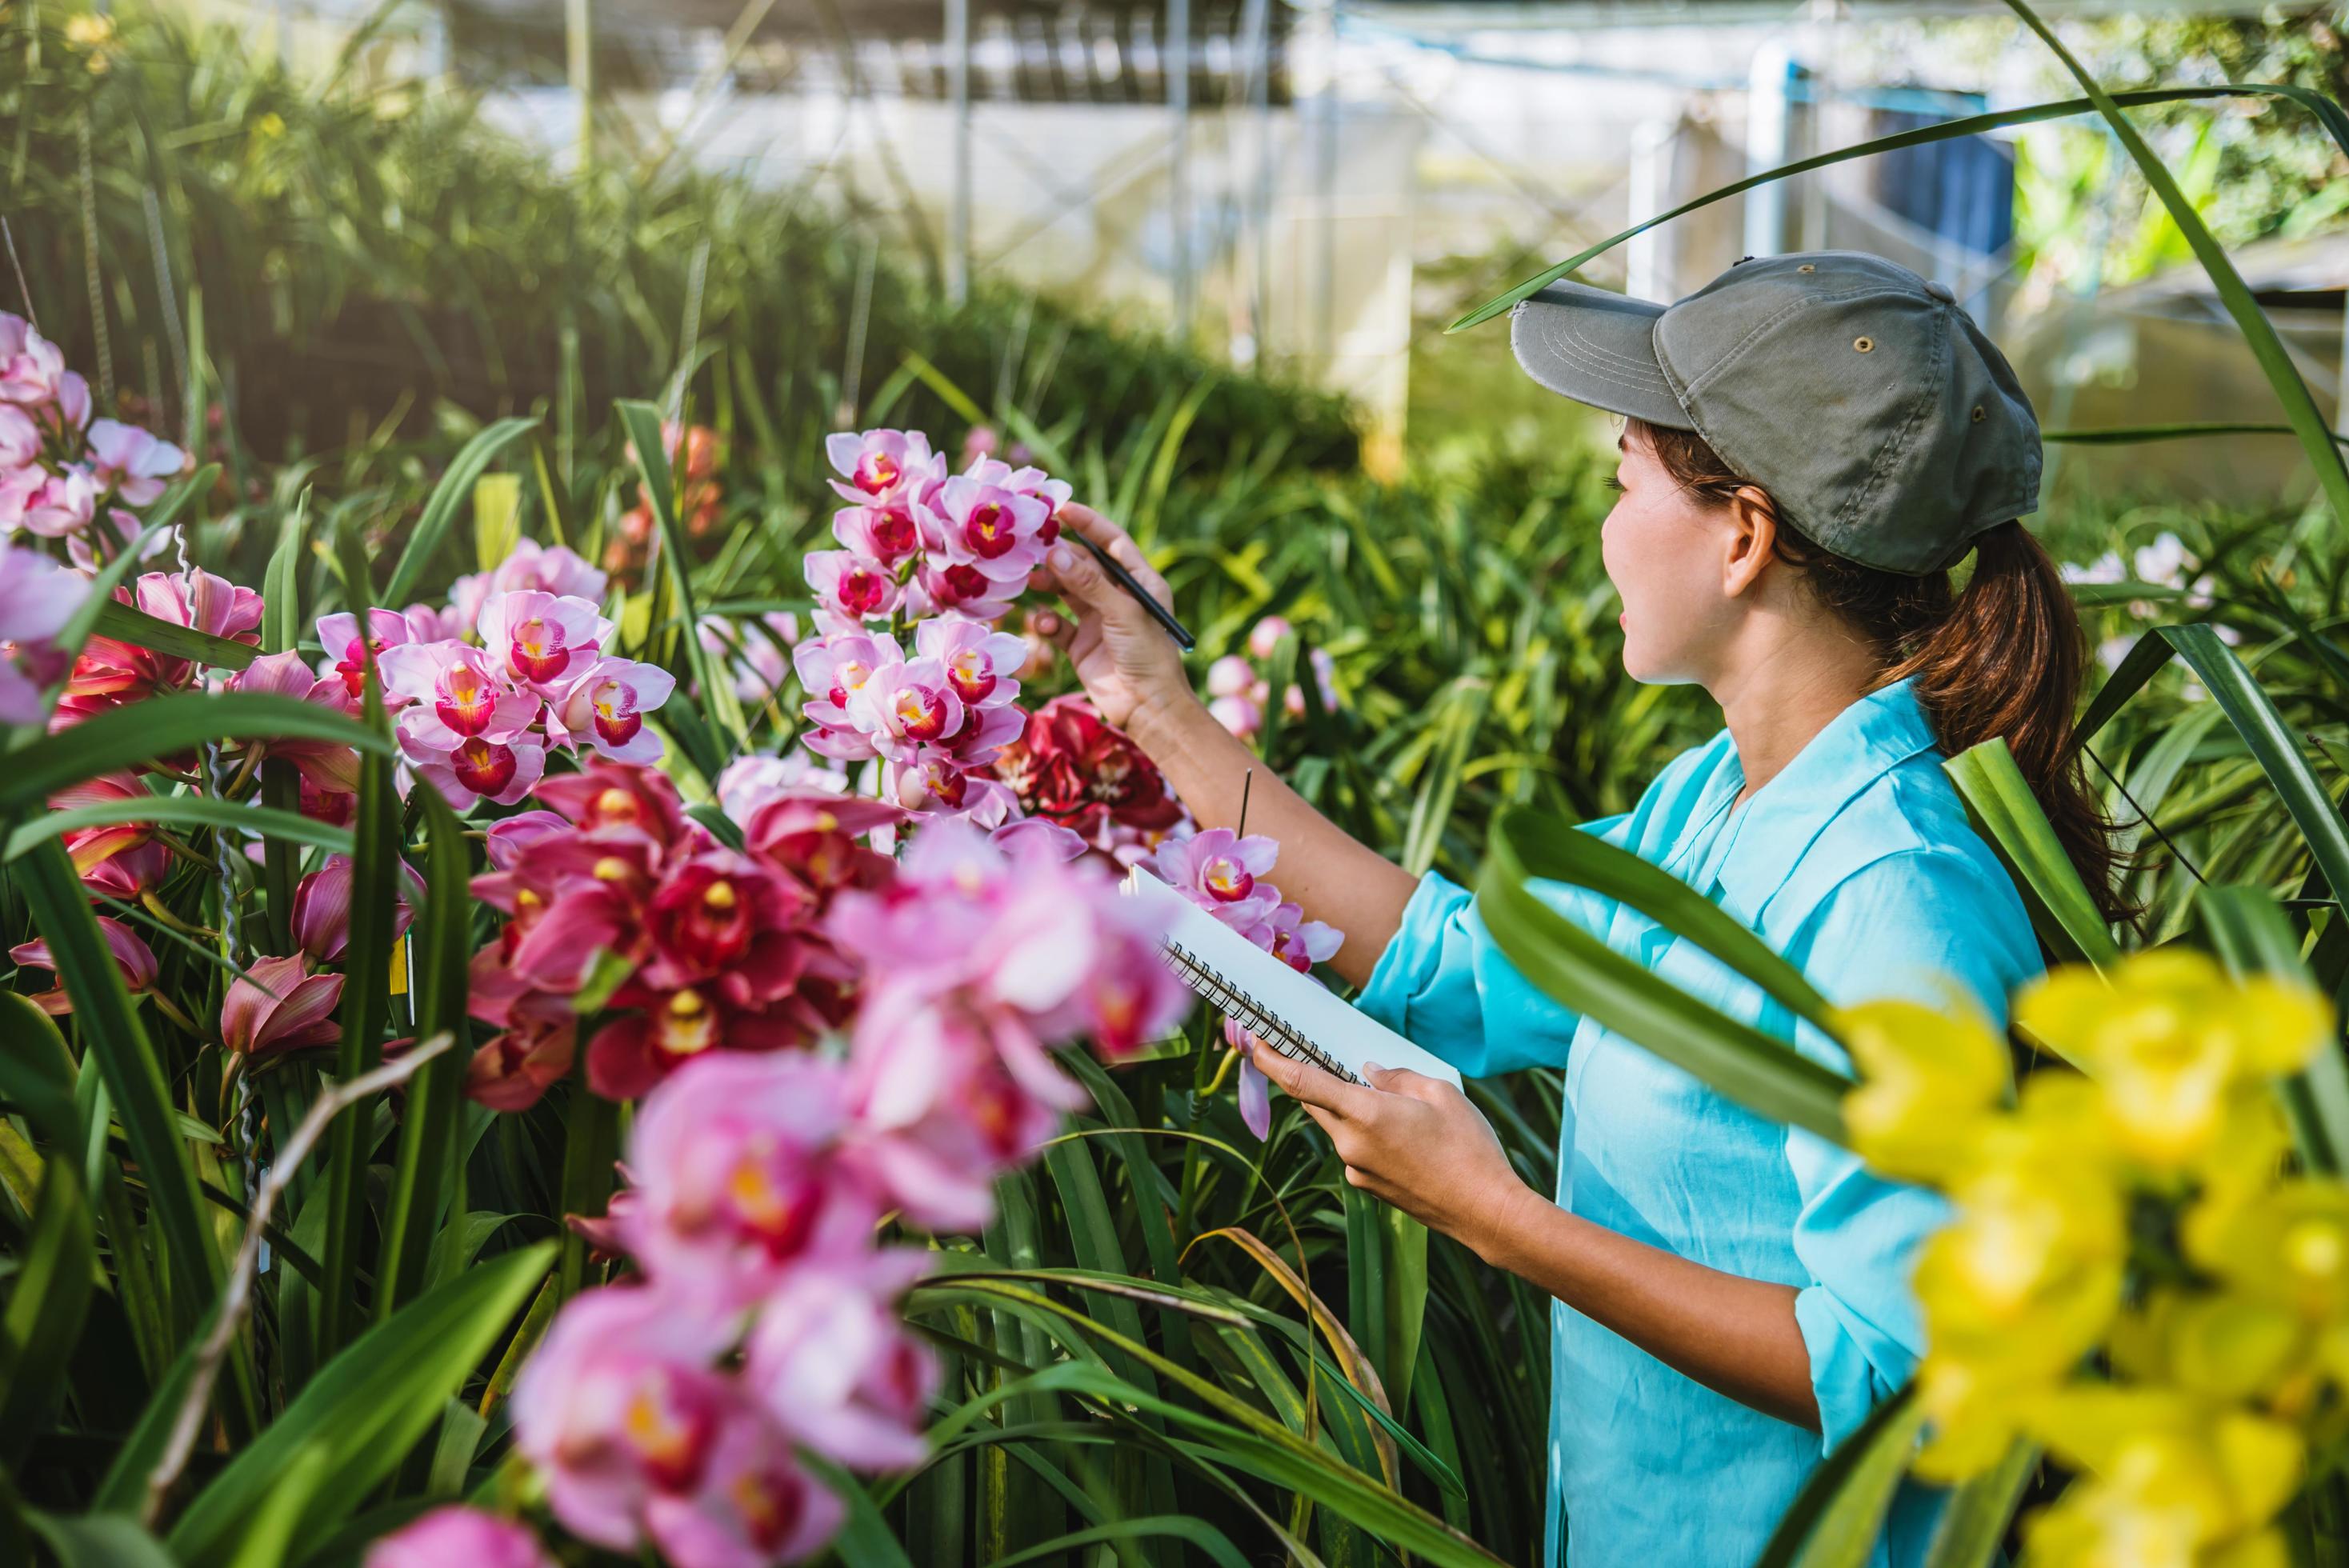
[1443,977]
[1911,926]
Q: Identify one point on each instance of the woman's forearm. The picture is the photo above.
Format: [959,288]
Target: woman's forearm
[1333,876]
[1736,1336]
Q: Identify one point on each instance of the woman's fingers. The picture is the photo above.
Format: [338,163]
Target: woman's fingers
[1121,546]
[1305,1082]
[1056,629]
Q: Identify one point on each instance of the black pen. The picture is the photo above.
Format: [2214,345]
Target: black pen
[1126,580]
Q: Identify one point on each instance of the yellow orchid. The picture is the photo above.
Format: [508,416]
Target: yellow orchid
[2171,1479]
[2170,1038]
[1930,1081]
[2288,1245]
[2225,1347]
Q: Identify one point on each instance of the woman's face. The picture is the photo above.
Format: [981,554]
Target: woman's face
[1666,550]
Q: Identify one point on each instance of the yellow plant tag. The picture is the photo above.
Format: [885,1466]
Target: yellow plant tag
[399,968]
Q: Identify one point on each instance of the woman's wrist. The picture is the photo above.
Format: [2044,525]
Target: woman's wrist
[1507,1222]
[1161,726]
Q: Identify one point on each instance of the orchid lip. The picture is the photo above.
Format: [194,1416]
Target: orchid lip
[483,767]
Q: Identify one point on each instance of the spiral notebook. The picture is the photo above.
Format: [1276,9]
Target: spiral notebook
[1291,1012]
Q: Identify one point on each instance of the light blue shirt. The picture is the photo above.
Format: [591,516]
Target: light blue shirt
[1857,862]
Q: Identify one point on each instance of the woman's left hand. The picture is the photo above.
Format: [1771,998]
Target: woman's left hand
[1411,1139]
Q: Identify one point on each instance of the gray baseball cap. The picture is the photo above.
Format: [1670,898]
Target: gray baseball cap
[1887,427]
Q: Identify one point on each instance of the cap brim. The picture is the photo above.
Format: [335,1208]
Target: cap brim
[1597,347]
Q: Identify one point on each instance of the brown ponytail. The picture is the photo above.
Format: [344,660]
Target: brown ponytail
[2001,656]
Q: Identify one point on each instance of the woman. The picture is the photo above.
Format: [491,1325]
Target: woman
[1811,442]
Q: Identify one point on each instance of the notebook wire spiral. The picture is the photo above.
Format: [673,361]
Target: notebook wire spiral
[1251,1015]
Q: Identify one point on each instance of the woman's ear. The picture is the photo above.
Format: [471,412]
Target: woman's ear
[1752,540]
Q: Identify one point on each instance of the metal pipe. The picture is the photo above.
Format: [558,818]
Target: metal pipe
[1178,172]
[958,208]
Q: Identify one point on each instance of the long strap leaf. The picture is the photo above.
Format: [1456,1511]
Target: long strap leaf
[643,423]
[197,810]
[2252,937]
[454,490]
[1973,124]
[1762,1074]
[133,1074]
[140,732]
[2009,816]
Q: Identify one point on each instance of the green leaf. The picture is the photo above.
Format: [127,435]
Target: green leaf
[1578,970]
[1973,124]
[141,630]
[2273,745]
[281,586]
[865,1540]
[2000,799]
[37,1074]
[100,1541]
[497,519]
[140,732]
[1550,850]
[2251,318]
[454,490]
[1199,1534]
[366,1408]
[427,1166]
[198,811]
[2248,932]
[1837,1518]
[366,966]
[133,1074]
[1973,1524]
[2129,435]
[715,687]
[111,576]
[47,1305]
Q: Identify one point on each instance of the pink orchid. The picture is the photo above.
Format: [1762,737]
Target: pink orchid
[510,837]
[933,781]
[618,1405]
[62,503]
[756,1506]
[513,1069]
[131,460]
[605,705]
[836,1368]
[37,597]
[325,765]
[457,1534]
[345,658]
[109,672]
[479,769]
[996,531]
[551,569]
[1217,871]
[131,956]
[457,694]
[275,1006]
[725,917]
[833,669]
[120,860]
[1263,637]
[1296,941]
[738,1179]
[812,836]
[1024,480]
[616,802]
[906,705]
[31,369]
[883,534]
[1238,714]
[943,1115]
[962,588]
[322,907]
[1230,676]
[659,1032]
[881,464]
[849,589]
[980,662]
[540,640]
[749,782]
[20,438]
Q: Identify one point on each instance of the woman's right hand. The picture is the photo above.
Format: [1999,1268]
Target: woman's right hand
[1130,666]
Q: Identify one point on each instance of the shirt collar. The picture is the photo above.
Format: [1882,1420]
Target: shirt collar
[1859,746]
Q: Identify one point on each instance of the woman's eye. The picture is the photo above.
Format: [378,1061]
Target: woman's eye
[1613,482]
